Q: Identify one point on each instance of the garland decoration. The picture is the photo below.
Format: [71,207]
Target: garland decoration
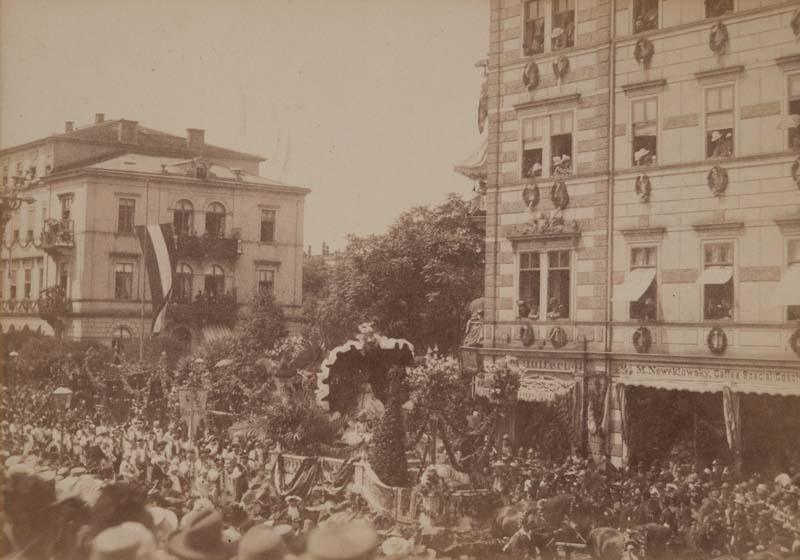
[717,341]
[558,338]
[530,76]
[642,340]
[530,196]
[559,195]
[561,67]
[718,38]
[796,171]
[717,180]
[643,51]
[643,187]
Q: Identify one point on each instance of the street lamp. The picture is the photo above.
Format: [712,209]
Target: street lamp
[62,397]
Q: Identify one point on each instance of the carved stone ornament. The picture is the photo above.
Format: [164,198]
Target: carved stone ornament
[642,340]
[794,341]
[530,76]
[796,172]
[530,196]
[558,338]
[559,195]
[561,67]
[643,188]
[717,341]
[795,23]
[544,224]
[717,180]
[718,38]
[643,51]
[527,336]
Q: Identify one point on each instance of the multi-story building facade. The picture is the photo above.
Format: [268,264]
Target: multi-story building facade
[71,260]
[662,252]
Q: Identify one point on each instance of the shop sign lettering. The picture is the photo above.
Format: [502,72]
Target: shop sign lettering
[708,373]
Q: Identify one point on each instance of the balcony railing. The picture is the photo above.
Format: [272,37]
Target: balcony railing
[203,310]
[58,235]
[207,247]
[54,302]
[19,306]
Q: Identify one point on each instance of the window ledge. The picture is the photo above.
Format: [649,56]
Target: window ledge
[726,72]
[123,255]
[788,62]
[571,99]
[641,86]
[645,233]
[789,224]
[521,235]
[725,228]
[266,262]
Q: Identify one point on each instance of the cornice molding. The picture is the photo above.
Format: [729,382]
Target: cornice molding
[789,61]
[789,224]
[571,99]
[724,72]
[642,86]
[650,232]
[729,228]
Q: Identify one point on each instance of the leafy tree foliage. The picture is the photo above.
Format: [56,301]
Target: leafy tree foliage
[389,450]
[414,282]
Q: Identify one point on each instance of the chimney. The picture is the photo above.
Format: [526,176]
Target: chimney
[69,126]
[128,132]
[99,117]
[195,138]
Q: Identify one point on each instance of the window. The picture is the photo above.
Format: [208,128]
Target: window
[183,218]
[63,276]
[215,220]
[30,224]
[716,8]
[66,207]
[215,283]
[184,277]
[718,281]
[558,285]
[532,146]
[563,33]
[645,131]
[643,268]
[120,338]
[266,281]
[561,143]
[529,285]
[28,276]
[544,285]
[123,281]
[268,226]
[719,121]
[12,280]
[533,38]
[127,209]
[645,15]
[793,265]
[794,110]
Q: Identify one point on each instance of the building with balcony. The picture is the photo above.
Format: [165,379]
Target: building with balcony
[643,222]
[76,269]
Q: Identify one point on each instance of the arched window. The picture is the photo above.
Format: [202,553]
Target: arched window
[183,283]
[183,217]
[215,220]
[215,283]
[120,338]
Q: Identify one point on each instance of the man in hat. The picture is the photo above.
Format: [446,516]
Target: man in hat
[200,537]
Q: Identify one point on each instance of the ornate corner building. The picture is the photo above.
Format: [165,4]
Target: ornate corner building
[71,263]
[641,184]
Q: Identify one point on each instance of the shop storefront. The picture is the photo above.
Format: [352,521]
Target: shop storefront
[745,416]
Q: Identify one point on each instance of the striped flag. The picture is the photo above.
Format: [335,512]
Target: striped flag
[158,246]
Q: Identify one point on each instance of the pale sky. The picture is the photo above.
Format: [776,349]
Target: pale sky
[368,103]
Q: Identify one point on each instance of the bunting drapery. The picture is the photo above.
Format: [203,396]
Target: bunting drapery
[621,395]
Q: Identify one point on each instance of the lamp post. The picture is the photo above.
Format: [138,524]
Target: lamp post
[62,397]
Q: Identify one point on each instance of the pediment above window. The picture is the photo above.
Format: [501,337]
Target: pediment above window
[650,233]
[727,229]
[648,87]
[725,73]
[549,103]
[789,224]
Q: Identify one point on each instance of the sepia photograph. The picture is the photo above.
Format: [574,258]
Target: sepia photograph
[400,279]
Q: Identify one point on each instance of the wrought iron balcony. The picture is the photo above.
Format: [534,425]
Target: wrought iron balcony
[203,310]
[207,247]
[19,307]
[58,236]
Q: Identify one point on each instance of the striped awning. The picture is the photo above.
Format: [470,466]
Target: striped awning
[212,333]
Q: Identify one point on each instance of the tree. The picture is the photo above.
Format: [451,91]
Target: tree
[389,445]
[415,281]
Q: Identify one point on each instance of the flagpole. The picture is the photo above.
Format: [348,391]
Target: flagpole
[144,269]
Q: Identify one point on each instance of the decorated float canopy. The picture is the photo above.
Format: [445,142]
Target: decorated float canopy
[365,360]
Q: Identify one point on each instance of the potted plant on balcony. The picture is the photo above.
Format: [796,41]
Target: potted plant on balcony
[504,377]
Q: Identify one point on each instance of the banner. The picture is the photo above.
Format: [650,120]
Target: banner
[158,247]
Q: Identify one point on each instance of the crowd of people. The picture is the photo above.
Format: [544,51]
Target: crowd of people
[707,511]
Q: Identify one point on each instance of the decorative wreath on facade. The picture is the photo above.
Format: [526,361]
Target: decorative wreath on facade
[530,76]
[561,67]
[643,51]
[795,23]
[717,180]
[642,340]
[527,336]
[717,341]
[796,172]
[558,338]
[643,188]
[718,38]
[794,341]
[530,196]
[559,195]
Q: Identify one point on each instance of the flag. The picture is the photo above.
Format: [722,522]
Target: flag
[158,246]
[483,103]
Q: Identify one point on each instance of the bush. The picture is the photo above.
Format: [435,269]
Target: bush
[389,445]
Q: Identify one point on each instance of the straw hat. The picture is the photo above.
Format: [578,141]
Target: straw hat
[351,541]
[200,537]
[128,541]
[261,543]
